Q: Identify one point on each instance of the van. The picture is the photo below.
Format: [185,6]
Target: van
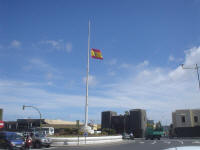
[45,130]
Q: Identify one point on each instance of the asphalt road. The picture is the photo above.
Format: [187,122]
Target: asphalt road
[135,145]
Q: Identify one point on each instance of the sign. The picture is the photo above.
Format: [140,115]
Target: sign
[77,124]
[1,124]
[85,134]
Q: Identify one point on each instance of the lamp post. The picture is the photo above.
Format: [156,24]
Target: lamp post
[36,110]
[196,68]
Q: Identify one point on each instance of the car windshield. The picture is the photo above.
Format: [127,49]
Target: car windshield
[13,136]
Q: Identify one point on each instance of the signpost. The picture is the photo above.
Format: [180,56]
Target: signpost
[78,126]
[85,134]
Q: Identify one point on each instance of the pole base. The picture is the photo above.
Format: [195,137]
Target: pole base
[87,129]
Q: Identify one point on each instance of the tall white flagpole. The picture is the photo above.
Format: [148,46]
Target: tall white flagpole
[86,102]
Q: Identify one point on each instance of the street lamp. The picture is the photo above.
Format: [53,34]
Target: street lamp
[36,110]
[196,68]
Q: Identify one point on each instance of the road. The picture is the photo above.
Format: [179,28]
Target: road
[135,144]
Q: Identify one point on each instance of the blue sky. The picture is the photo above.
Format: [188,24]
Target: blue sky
[43,57]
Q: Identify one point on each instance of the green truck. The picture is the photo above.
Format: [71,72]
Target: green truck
[152,133]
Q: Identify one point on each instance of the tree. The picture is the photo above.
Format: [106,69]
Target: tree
[126,113]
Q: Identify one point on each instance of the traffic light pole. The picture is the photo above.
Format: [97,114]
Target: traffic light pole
[196,68]
[36,110]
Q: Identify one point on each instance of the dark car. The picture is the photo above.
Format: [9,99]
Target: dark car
[40,140]
[11,140]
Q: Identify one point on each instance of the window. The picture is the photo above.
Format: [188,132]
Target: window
[183,119]
[195,118]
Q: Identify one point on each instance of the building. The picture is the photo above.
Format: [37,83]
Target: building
[26,124]
[138,122]
[186,123]
[106,119]
[118,123]
[135,121]
[186,118]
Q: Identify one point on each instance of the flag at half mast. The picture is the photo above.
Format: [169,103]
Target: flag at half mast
[96,53]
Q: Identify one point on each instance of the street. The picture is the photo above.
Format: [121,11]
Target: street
[135,144]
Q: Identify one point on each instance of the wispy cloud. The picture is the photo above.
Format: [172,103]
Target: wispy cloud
[125,66]
[41,64]
[43,69]
[59,45]
[15,44]
[111,73]
[143,64]
[14,94]
[158,90]
[112,62]
[68,47]
[92,81]
[171,58]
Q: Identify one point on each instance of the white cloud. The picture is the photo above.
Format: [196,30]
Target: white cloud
[112,62]
[158,90]
[111,73]
[59,45]
[15,44]
[14,94]
[43,69]
[171,58]
[192,56]
[143,64]
[41,65]
[53,43]
[49,75]
[69,47]
[125,66]
[49,83]
[92,81]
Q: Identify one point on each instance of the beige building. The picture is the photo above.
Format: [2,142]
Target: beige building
[186,118]
[61,124]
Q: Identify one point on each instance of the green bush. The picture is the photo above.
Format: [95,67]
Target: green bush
[107,131]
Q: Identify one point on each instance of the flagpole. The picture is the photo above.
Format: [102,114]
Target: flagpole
[86,102]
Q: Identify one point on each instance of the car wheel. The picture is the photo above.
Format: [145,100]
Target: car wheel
[37,145]
[9,148]
[47,146]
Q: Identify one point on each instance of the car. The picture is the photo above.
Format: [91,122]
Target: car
[11,140]
[127,136]
[40,140]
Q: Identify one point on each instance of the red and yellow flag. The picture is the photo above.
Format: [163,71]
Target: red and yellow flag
[96,53]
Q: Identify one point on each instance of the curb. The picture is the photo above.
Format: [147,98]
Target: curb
[84,141]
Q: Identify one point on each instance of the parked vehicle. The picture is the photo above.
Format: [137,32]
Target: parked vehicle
[152,133]
[128,136]
[44,130]
[11,140]
[40,140]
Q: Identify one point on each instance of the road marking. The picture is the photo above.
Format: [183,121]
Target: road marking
[180,141]
[141,142]
[196,142]
[154,142]
[167,142]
